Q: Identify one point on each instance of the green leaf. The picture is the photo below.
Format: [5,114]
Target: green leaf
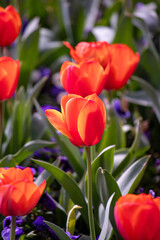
[118,168]
[27,150]
[58,231]
[106,185]
[71,220]
[28,55]
[113,133]
[104,230]
[103,162]
[124,33]
[68,184]
[151,93]
[84,237]
[67,148]
[129,180]
[35,91]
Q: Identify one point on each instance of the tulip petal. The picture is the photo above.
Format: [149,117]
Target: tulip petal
[90,123]
[72,110]
[123,63]
[15,174]
[12,201]
[32,195]
[12,69]
[95,98]
[64,101]
[95,76]
[57,121]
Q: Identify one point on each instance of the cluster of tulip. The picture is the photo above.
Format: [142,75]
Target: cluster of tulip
[18,193]
[102,66]
[98,66]
[9,69]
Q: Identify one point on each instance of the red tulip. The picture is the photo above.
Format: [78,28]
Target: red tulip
[10,25]
[138,217]
[84,79]
[121,57]
[18,193]
[84,50]
[123,64]
[9,75]
[82,119]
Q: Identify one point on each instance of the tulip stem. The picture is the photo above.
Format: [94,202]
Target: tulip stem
[90,210]
[13,227]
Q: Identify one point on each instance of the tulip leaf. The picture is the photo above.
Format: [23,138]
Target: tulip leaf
[129,180]
[124,31]
[28,55]
[84,237]
[113,133]
[119,167]
[151,93]
[68,149]
[58,231]
[71,220]
[138,97]
[27,150]
[104,162]
[104,230]
[68,184]
[35,91]
[107,185]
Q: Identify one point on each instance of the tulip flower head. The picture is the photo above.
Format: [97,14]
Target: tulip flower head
[85,50]
[85,78]
[82,119]
[10,25]
[18,193]
[138,217]
[123,61]
[9,76]
[123,64]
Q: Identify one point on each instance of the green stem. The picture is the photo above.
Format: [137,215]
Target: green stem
[90,210]
[13,228]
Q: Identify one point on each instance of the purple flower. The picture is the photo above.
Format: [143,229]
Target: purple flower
[7,221]
[6,233]
[40,226]
[45,107]
[47,201]
[65,165]
[45,72]
[119,109]
[72,236]
[152,193]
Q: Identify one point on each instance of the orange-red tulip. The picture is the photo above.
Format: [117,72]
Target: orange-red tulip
[18,193]
[123,64]
[9,76]
[10,25]
[123,61]
[84,50]
[138,217]
[84,79]
[82,119]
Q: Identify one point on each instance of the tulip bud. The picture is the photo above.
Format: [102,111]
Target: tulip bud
[10,25]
